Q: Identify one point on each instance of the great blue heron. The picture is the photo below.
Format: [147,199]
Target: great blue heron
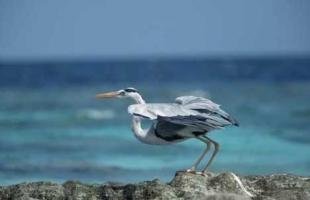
[188,117]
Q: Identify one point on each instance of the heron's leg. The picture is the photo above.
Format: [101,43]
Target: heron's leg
[208,143]
[216,149]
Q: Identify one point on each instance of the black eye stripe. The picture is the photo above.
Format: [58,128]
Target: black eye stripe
[130,90]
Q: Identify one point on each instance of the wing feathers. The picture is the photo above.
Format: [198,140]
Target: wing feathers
[188,111]
[204,105]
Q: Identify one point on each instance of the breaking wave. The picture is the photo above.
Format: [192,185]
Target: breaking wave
[96,114]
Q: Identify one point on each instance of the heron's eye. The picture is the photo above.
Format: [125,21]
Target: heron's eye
[130,90]
[122,93]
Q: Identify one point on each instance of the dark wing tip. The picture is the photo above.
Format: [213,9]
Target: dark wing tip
[234,122]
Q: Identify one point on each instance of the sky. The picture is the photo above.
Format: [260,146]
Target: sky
[71,29]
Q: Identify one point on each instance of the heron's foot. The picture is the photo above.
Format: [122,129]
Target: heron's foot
[191,170]
[200,173]
[206,173]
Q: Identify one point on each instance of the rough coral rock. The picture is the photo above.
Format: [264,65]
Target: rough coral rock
[224,186]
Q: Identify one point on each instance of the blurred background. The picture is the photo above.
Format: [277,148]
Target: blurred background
[252,57]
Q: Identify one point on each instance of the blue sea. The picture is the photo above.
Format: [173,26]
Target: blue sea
[53,129]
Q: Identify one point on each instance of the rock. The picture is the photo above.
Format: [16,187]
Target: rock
[224,186]
[37,190]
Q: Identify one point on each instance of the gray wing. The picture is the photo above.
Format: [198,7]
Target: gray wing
[181,127]
[205,106]
[189,111]
[185,106]
[153,110]
[168,131]
[189,117]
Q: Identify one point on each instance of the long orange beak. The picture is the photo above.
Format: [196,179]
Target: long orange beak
[107,95]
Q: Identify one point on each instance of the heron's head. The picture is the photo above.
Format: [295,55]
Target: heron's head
[128,92]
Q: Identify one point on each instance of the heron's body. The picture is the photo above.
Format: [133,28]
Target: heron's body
[160,132]
[188,117]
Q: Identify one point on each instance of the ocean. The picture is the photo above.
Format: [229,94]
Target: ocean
[53,129]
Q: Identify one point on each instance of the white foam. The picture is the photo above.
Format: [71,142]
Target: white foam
[96,114]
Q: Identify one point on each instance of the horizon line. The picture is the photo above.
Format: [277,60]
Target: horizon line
[150,58]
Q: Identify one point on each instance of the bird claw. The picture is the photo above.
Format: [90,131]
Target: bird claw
[200,173]
[203,174]
[183,171]
[191,170]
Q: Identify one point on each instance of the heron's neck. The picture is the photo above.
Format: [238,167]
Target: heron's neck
[137,98]
[137,129]
[139,132]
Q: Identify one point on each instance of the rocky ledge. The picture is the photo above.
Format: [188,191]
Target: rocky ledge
[224,186]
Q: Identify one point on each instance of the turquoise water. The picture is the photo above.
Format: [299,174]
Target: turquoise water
[61,133]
